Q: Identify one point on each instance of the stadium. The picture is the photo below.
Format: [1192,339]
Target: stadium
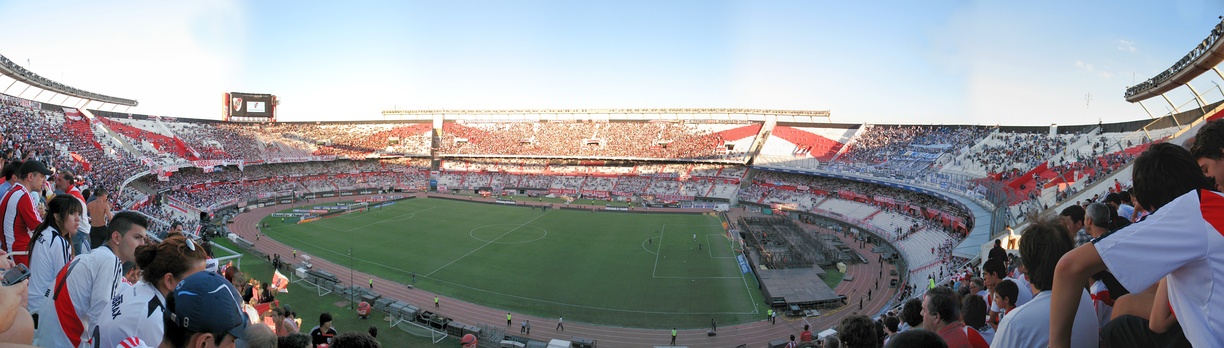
[605,227]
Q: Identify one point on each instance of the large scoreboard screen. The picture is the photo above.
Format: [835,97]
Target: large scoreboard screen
[250,107]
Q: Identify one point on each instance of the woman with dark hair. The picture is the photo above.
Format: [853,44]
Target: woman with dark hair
[267,293]
[137,312]
[51,249]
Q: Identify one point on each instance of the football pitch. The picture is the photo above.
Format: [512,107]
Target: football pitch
[608,268]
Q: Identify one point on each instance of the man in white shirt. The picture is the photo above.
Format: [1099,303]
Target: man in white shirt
[138,311]
[1125,209]
[993,272]
[1028,325]
[1180,242]
[19,211]
[84,288]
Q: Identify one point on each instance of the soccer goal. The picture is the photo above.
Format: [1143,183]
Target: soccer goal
[357,207]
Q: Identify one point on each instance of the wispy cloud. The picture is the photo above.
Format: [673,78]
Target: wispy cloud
[1126,46]
[1084,67]
[1089,68]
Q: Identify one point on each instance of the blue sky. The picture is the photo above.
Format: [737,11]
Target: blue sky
[950,62]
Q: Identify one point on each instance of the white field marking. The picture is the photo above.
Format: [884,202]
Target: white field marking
[711,247]
[472,234]
[486,244]
[648,250]
[658,250]
[402,217]
[753,312]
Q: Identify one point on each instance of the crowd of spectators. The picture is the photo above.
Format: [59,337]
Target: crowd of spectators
[202,188]
[359,140]
[673,140]
[1012,154]
[644,179]
[216,142]
[272,141]
[50,144]
[53,138]
[1168,178]
[880,144]
[627,139]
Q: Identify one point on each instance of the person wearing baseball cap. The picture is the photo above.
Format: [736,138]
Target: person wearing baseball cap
[19,210]
[203,311]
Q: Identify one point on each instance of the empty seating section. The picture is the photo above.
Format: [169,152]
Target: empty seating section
[599,183]
[819,143]
[694,188]
[633,184]
[850,209]
[909,219]
[736,139]
[146,138]
[894,212]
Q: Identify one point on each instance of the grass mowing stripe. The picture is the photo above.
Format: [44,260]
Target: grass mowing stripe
[588,266]
[352,216]
[486,244]
[658,251]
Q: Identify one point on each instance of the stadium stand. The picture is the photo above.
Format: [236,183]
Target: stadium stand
[173,169]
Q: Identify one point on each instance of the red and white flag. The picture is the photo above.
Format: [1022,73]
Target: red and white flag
[280,282]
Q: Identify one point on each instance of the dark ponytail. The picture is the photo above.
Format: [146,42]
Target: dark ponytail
[175,256]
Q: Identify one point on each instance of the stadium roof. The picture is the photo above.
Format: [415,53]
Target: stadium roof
[19,73]
[728,114]
[1206,56]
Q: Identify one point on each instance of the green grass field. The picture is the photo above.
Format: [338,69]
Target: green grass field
[598,202]
[833,277]
[622,269]
[307,303]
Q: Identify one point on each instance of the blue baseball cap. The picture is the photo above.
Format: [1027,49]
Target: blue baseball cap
[206,302]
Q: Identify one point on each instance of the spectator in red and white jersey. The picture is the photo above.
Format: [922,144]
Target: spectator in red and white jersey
[66,182]
[84,288]
[19,215]
[49,249]
[139,311]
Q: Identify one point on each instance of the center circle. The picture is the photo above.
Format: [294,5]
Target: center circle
[508,233]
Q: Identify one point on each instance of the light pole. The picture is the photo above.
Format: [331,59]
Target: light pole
[352,291]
